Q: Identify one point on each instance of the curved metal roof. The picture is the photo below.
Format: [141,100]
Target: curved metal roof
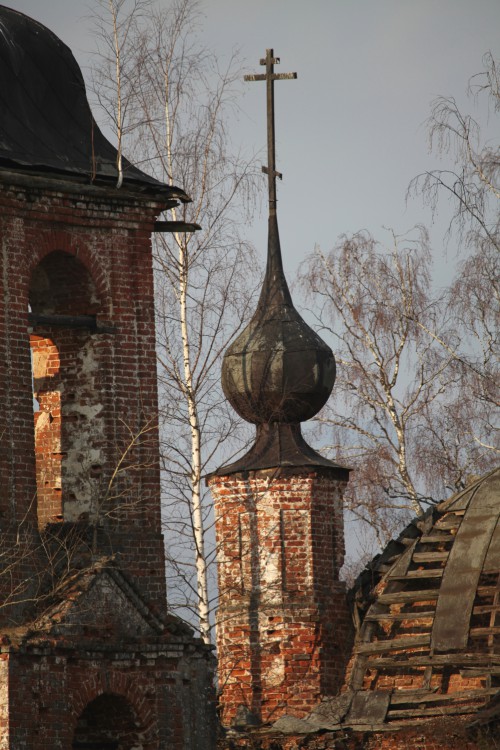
[278,369]
[46,125]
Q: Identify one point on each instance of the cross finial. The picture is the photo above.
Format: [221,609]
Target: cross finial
[270,77]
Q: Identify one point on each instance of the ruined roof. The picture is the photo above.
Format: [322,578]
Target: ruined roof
[430,638]
[96,602]
[46,125]
[428,625]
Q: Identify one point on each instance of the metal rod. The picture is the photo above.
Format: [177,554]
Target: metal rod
[175,226]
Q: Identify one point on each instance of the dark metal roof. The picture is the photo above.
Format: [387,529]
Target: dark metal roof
[281,445]
[46,125]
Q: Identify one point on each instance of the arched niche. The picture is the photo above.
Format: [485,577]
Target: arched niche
[68,386]
[108,723]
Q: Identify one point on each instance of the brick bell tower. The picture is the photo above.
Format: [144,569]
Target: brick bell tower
[89,655]
[283,626]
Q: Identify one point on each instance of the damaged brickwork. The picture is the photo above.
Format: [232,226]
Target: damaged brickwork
[90,656]
[280,542]
[94,389]
[422,676]
[79,399]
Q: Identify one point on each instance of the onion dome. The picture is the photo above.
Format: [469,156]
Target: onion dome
[278,369]
[278,372]
[46,125]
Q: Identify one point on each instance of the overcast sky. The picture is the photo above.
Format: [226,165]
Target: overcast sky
[351,130]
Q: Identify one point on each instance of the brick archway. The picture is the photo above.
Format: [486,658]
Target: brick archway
[81,248]
[108,722]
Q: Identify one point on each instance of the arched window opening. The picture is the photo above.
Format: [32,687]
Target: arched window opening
[107,723]
[47,416]
[68,385]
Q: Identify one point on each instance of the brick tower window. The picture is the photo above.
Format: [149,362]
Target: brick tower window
[67,382]
[46,366]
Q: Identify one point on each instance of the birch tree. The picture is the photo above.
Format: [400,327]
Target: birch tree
[472,187]
[472,182]
[178,98]
[390,371]
[415,409]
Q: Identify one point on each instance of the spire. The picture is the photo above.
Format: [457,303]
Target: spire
[278,372]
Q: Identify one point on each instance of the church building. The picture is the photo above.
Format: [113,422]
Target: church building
[410,658]
[89,655]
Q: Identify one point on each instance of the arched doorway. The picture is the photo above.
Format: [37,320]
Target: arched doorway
[107,723]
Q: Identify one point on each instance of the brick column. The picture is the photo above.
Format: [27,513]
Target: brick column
[283,627]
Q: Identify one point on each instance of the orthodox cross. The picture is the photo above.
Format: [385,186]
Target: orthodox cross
[270,77]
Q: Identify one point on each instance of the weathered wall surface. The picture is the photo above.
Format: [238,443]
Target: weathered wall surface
[80,484]
[155,697]
[80,253]
[283,628]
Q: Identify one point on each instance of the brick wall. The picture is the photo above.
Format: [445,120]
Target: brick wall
[283,628]
[70,250]
[148,698]
[80,481]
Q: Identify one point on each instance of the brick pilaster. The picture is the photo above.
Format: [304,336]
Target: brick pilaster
[283,626]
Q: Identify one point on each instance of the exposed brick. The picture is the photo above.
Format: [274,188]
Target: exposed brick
[85,674]
[283,628]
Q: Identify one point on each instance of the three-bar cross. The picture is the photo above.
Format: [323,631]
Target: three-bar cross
[270,77]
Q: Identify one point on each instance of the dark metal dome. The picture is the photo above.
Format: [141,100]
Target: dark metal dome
[278,369]
[46,125]
[278,372]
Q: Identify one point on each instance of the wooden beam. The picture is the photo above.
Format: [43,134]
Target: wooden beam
[450,522]
[393,644]
[175,226]
[399,616]
[484,609]
[421,557]
[436,538]
[88,322]
[478,632]
[402,696]
[434,573]
[401,597]
[438,660]
[438,711]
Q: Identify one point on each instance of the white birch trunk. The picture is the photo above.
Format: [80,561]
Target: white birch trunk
[190,396]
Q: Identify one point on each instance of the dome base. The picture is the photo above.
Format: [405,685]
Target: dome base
[279,444]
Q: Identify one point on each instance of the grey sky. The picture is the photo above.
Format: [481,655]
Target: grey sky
[351,130]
